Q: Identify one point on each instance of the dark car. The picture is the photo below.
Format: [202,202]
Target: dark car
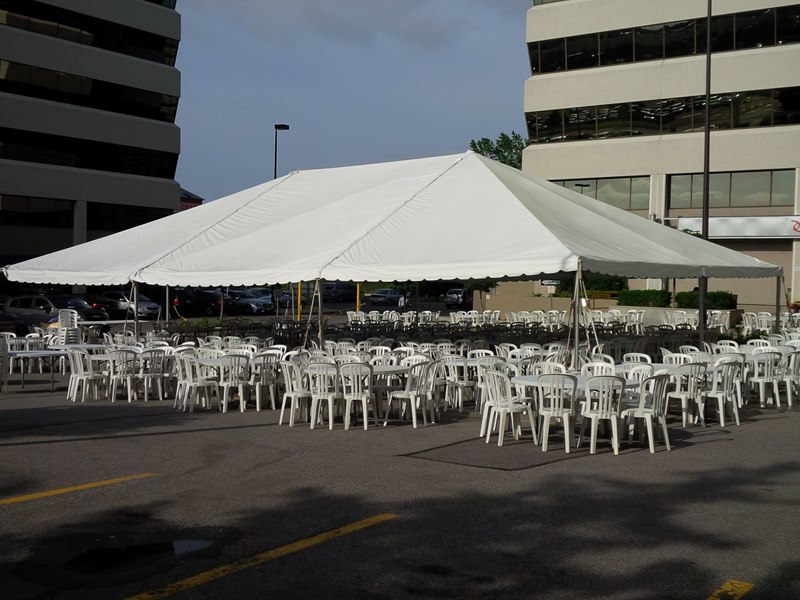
[208,302]
[12,323]
[385,297]
[247,303]
[458,298]
[99,302]
[338,292]
[38,309]
[122,305]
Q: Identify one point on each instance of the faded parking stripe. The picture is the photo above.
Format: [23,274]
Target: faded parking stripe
[257,559]
[731,590]
[74,488]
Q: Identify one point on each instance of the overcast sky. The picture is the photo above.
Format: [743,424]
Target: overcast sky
[358,81]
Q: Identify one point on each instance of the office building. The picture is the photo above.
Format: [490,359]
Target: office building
[88,141]
[615,109]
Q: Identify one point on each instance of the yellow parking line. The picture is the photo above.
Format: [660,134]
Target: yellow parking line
[257,559]
[731,590]
[74,488]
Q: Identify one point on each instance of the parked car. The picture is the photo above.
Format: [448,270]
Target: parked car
[385,297]
[458,298]
[99,301]
[208,302]
[123,305]
[247,303]
[38,309]
[12,323]
[338,292]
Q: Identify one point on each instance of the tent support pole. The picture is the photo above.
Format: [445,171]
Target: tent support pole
[319,317]
[778,286]
[576,301]
[166,304]
[136,310]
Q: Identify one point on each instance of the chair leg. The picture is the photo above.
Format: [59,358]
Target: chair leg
[663,420]
[567,433]
[615,435]
[593,439]
[545,431]
[649,422]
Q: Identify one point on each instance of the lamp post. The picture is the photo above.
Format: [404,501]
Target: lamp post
[702,299]
[278,127]
[581,186]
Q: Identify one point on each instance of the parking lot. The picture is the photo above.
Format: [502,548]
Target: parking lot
[141,501]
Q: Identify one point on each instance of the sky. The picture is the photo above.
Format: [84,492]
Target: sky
[357,81]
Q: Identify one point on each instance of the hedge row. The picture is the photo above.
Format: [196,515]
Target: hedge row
[644,298]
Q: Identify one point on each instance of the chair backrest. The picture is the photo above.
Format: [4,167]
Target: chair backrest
[636,357]
[766,364]
[639,371]
[653,393]
[677,358]
[291,376]
[498,386]
[355,379]
[414,359]
[689,377]
[234,369]
[323,378]
[123,362]
[545,367]
[597,368]
[602,395]
[556,392]
[479,353]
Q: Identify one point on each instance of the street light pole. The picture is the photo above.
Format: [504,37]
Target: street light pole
[278,127]
[702,299]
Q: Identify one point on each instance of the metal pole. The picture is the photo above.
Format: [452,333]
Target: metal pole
[575,318]
[136,310]
[778,286]
[703,282]
[278,127]
[319,312]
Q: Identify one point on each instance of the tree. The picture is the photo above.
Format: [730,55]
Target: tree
[507,149]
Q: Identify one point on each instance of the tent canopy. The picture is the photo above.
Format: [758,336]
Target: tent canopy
[450,217]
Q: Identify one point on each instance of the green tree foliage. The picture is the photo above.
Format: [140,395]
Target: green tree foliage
[507,149]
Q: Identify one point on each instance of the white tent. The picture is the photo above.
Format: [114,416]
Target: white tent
[450,217]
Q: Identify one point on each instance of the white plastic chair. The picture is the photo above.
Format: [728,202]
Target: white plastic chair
[651,407]
[602,402]
[504,405]
[356,387]
[556,401]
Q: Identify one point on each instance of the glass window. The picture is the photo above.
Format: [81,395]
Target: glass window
[787,23]
[587,187]
[615,191]
[719,190]
[680,191]
[580,123]
[640,193]
[676,115]
[582,51]
[53,21]
[755,29]
[35,212]
[679,38]
[47,84]
[550,126]
[533,56]
[697,190]
[552,55]
[646,117]
[649,42]
[783,188]
[721,34]
[787,106]
[751,188]
[752,109]
[117,217]
[720,113]
[616,47]
[614,120]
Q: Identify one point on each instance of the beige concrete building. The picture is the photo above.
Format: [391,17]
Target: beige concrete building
[88,141]
[615,110]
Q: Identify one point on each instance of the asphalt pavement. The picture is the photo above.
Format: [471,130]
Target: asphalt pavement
[102,500]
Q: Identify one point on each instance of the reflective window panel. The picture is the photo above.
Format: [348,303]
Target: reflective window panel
[649,42]
[552,55]
[679,38]
[582,51]
[787,24]
[755,29]
[616,47]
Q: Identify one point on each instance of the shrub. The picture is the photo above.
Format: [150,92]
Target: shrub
[715,300]
[644,298]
